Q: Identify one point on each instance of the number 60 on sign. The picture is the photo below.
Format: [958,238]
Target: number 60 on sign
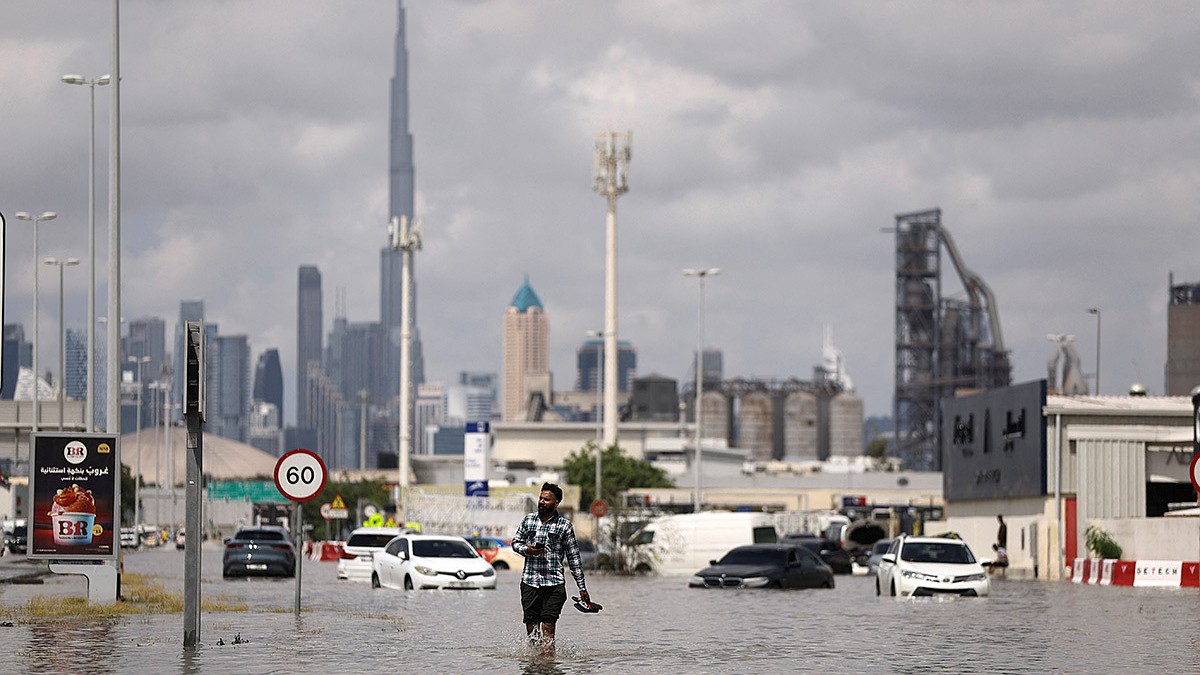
[300,475]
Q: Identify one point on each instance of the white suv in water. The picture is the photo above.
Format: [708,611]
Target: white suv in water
[916,566]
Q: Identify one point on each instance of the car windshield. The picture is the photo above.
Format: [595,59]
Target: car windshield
[443,548]
[936,552]
[259,535]
[753,556]
[881,546]
[369,540]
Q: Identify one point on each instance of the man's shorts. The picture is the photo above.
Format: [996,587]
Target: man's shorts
[543,604]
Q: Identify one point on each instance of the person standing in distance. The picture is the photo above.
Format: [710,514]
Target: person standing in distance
[1002,532]
[547,539]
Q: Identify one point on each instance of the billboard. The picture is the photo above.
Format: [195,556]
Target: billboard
[994,443]
[475,458]
[74,482]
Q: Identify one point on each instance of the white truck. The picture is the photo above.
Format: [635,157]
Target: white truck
[686,543]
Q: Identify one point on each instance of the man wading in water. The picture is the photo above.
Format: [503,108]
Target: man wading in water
[546,539]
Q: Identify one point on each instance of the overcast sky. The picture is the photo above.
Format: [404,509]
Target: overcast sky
[772,139]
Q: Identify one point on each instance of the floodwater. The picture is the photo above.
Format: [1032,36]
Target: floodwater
[649,625]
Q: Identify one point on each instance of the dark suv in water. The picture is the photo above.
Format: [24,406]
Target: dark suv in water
[265,550]
[830,551]
[765,566]
[17,541]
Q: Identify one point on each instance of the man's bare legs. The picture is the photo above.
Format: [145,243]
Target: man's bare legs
[546,637]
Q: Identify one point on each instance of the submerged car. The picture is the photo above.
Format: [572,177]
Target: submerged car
[414,561]
[354,563]
[923,566]
[264,550]
[877,550]
[765,566]
[497,551]
[830,551]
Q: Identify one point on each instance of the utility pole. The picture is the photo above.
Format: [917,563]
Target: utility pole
[610,180]
[406,237]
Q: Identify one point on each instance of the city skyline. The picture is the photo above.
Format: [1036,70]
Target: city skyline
[1061,146]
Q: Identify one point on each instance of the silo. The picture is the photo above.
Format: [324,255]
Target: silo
[756,425]
[800,425]
[846,425]
[716,416]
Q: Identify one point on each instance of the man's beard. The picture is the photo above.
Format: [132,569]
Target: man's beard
[545,509]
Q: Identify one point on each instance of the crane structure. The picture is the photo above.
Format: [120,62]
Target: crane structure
[944,344]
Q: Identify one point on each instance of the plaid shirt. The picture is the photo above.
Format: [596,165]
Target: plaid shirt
[559,537]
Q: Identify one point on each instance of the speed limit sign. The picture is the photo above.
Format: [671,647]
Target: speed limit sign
[300,475]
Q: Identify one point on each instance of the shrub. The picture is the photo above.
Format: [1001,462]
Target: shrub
[1101,543]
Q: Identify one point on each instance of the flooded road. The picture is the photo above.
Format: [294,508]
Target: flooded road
[650,625]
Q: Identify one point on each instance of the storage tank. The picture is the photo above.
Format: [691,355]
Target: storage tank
[756,422]
[716,415]
[800,425]
[846,425]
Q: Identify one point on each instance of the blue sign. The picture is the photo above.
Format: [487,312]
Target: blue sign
[477,428]
[477,488]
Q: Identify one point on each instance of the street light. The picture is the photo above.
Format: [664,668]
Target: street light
[1096,311]
[103,320]
[62,335]
[599,335]
[44,216]
[699,273]
[89,413]
[139,361]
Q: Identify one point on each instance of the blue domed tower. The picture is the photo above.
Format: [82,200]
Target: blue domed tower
[526,353]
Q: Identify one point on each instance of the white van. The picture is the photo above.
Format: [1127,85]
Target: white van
[687,542]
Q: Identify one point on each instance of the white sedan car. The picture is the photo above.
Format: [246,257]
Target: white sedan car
[354,564]
[430,561]
[916,566]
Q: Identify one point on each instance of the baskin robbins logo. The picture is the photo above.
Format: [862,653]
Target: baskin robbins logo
[75,452]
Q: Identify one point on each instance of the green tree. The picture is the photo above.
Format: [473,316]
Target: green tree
[618,472]
[364,492]
[128,495]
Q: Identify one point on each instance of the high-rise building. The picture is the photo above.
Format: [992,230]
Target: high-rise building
[1183,337]
[401,189]
[589,365]
[352,360]
[268,382]
[76,357]
[488,381]
[430,413]
[309,322]
[17,354]
[526,353]
[227,412]
[147,337]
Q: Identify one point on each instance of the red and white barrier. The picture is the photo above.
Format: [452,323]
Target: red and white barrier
[324,550]
[1109,572]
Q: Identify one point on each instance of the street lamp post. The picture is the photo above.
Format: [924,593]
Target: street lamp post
[699,273]
[139,361]
[62,335]
[1096,311]
[89,413]
[40,218]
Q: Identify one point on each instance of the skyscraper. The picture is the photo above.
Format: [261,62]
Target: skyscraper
[268,381]
[147,337]
[76,376]
[526,353]
[588,365]
[308,338]
[1183,337]
[228,406]
[401,187]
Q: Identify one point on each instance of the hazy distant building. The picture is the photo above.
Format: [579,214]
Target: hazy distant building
[1183,338]
[268,382]
[308,337]
[228,406]
[264,428]
[352,360]
[429,413]
[326,411]
[401,190]
[589,365]
[147,337]
[654,399]
[488,381]
[76,364]
[526,353]
[17,354]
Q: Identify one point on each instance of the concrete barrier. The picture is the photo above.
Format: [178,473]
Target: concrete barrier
[1110,572]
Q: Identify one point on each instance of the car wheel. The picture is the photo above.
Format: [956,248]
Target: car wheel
[893,589]
[408,584]
[500,565]
[830,585]
[878,591]
[642,568]
[375,581]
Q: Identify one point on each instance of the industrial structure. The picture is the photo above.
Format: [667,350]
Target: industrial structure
[1183,337]
[944,345]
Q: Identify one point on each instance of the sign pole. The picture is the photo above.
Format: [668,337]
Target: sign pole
[299,475]
[193,414]
[298,537]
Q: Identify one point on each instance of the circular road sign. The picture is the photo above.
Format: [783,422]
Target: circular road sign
[599,508]
[300,475]
[327,511]
[1195,472]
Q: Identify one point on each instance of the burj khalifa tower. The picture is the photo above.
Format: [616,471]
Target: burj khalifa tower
[401,190]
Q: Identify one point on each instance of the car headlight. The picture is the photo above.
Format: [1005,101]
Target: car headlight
[975,577]
[919,576]
[696,581]
[756,582]
[489,572]
[427,571]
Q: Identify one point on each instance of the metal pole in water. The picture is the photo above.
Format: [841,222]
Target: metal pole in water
[298,538]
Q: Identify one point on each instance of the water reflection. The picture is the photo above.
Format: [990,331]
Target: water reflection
[64,646]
